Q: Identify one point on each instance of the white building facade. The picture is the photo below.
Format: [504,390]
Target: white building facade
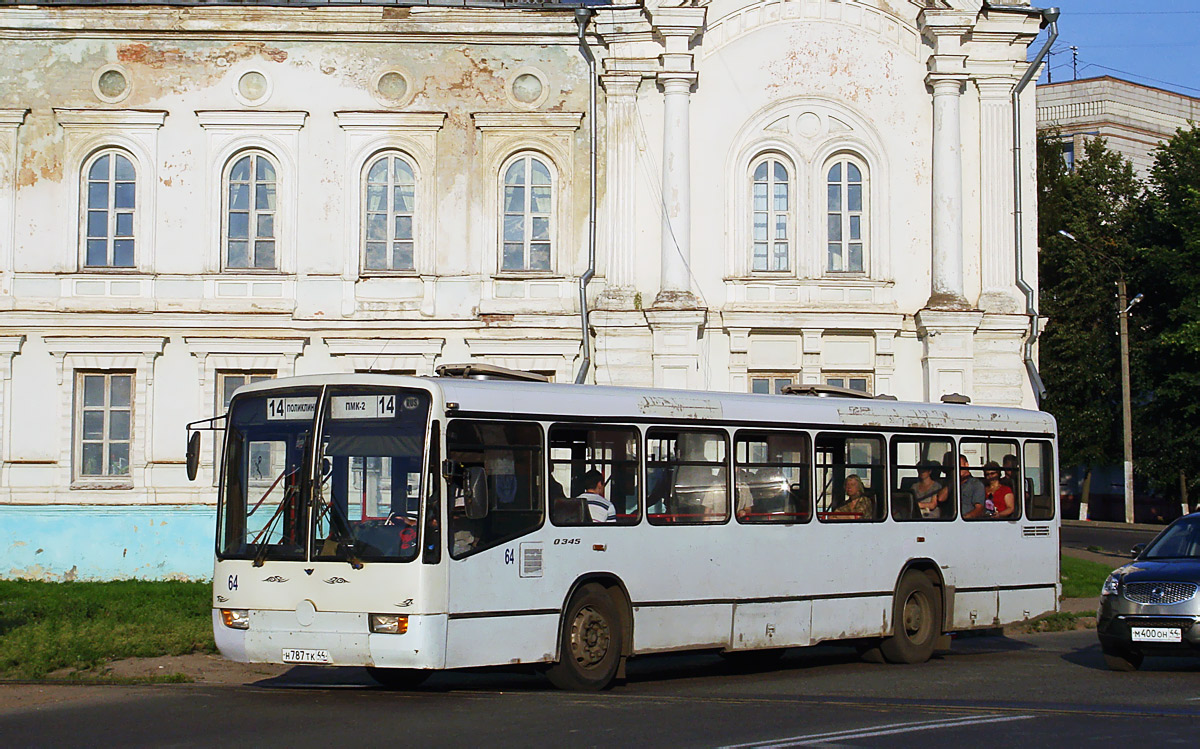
[194,196]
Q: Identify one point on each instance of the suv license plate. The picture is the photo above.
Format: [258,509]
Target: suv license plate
[305,656]
[1156,634]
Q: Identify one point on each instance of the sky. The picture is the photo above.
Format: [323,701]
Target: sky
[1153,42]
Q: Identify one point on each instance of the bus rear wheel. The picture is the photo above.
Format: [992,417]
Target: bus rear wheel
[916,623]
[590,642]
[398,678]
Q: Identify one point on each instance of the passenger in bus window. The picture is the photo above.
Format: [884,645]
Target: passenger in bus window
[970,491]
[930,494]
[998,498]
[599,507]
[1009,478]
[857,501]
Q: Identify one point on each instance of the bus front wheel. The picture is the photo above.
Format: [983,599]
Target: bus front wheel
[917,621]
[590,642]
[397,678]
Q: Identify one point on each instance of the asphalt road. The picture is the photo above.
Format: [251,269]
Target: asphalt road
[1034,690]
[1105,537]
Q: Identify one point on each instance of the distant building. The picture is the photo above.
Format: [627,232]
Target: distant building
[195,195]
[1133,119]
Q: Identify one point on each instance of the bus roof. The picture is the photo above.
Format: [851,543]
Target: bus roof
[551,401]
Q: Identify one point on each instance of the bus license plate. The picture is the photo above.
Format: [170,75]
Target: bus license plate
[1156,634]
[305,656]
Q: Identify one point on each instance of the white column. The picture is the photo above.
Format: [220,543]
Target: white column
[620,179]
[676,191]
[947,234]
[997,263]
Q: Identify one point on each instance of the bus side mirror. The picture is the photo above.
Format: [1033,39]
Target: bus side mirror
[476,493]
[193,455]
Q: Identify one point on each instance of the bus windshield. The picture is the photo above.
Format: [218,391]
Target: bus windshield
[367,503]
[266,476]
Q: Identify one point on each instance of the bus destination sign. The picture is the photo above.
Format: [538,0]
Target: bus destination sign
[363,406]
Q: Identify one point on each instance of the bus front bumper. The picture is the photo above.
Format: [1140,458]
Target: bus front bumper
[332,638]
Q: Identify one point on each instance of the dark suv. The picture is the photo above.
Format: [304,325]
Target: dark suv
[1150,606]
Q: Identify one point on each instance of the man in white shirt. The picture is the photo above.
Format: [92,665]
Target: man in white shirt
[599,508]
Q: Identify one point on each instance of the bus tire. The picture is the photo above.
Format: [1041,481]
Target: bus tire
[917,621]
[590,642]
[398,678]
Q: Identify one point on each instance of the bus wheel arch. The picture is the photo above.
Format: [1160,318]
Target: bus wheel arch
[595,634]
[918,618]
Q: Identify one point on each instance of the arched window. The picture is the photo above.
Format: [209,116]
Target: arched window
[528,210]
[110,189]
[250,208]
[847,221]
[388,209]
[772,216]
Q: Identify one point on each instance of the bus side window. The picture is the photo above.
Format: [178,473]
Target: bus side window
[509,455]
[924,479]
[687,474]
[771,477]
[850,477]
[610,451]
[1039,480]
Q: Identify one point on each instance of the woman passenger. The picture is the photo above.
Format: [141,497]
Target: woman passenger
[857,501]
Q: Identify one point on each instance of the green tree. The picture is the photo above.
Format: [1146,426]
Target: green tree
[1099,203]
[1167,440]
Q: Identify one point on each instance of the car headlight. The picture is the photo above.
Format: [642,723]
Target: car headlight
[1111,585]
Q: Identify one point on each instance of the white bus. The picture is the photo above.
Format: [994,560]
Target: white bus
[413,524]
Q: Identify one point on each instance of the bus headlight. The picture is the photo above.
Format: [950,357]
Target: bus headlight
[1111,585]
[236,618]
[389,624]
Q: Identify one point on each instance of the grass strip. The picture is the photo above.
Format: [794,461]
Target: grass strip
[45,627]
[1082,578]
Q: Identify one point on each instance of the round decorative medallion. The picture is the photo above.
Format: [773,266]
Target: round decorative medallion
[111,84]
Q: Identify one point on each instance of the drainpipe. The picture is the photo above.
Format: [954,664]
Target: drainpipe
[1049,16]
[582,17]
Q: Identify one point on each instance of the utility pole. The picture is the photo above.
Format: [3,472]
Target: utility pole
[1074,63]
[1126,409]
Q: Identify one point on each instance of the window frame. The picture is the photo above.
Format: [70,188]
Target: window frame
[636,461]
[110,238]
[950,480]
[841,160]
[527,240]
[848,376]
[774,381]
[987,451]
[773,159]
[539,463]
[879,493]
[116,480]
[726,464]
[252,211]
[1047,450]
[799,518]
[390,213]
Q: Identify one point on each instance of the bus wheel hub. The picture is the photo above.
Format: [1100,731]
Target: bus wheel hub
[590,637]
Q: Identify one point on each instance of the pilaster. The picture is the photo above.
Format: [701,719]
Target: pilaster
[996,260]
[620,195]
[676,352]
[948,355]
[10,122]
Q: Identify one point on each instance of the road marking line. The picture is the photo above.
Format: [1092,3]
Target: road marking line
[884,730]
